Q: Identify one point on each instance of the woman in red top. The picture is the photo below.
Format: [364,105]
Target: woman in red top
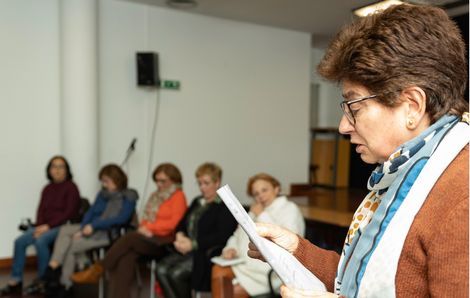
[163,211]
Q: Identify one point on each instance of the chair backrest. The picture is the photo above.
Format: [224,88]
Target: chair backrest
[84,206]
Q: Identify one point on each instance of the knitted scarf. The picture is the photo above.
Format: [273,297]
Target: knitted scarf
[155,200]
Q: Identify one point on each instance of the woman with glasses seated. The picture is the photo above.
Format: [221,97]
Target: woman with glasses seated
[163,210]
[403,72]
[250,278]
[60,202]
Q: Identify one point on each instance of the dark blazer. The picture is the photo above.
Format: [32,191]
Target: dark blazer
[214,228]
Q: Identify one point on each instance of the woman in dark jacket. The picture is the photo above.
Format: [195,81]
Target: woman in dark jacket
[206,225]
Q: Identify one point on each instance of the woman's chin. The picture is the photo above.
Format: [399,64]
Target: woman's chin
[367,158]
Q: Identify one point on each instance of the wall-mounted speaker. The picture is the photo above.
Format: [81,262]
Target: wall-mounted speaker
[147,69]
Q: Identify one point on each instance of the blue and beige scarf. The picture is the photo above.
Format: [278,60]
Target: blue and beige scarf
[389,186]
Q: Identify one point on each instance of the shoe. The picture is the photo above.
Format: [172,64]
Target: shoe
[89,276]
[52,275]
[37,287]
[9,290]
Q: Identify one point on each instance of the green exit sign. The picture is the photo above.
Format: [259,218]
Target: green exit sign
[170,84]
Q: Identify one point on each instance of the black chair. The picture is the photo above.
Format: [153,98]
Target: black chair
[272,293]
[84,206]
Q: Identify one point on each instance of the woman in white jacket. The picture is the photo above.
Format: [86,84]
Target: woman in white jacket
[250,277]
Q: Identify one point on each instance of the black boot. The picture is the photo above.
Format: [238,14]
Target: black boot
[10,290]
[51,278]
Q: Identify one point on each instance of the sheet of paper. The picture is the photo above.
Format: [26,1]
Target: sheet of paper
[225,262]
[288,268]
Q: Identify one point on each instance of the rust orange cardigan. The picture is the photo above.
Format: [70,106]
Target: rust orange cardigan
[168,215]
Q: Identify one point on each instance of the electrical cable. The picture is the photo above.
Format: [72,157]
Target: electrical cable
[151,148]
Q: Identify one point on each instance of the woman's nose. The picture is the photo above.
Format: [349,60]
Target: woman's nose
[345,127]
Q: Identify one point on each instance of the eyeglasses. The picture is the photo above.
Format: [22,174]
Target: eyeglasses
[58,166]
[161,180]
[346,107]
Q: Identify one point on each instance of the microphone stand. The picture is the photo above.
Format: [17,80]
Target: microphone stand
[129,152]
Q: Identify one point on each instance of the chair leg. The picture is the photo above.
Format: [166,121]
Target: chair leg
[153,267]
[101,282]
[138,278]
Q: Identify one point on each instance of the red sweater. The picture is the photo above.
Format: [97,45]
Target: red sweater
[168,215]
[59,203]
[434,259]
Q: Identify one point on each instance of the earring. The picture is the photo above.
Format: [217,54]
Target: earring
[410,122]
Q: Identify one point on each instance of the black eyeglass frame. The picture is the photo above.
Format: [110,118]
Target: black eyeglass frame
[345,106]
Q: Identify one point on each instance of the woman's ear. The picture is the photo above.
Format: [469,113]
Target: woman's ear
[415,100]
[277,190]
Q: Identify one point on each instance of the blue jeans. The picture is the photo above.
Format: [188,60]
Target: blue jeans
[42,245]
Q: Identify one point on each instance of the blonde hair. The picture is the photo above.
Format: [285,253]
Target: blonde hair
[210,169]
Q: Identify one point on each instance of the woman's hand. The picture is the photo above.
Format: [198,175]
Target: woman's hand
[294,293]
[282,237]
[229,253]
[144,231]
[256,208]
[182,243]
[77,235]
[87,230]
[39,230]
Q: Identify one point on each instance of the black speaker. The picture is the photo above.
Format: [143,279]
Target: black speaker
[147,69]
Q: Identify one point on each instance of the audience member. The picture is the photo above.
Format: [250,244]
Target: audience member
[206,225]
[251,276]
[60,201]
[114,206]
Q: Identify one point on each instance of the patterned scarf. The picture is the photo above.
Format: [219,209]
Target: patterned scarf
[155,200]
[379,206]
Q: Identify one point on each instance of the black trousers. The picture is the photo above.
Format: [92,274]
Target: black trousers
[174,275]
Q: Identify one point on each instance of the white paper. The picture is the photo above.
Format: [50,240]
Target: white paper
[226,262]
[292,273]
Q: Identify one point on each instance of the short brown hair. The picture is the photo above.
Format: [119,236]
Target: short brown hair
[115,173]
[170,170]
[402,46]
[261,176]
[210,169]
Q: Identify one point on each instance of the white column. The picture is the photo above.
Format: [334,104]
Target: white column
[79,93]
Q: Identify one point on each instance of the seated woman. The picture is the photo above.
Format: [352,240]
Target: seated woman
[60,202]
[114,205]
[207,224]
[251,275]
[163,211]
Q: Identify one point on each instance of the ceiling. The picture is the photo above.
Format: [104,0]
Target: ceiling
[321,18]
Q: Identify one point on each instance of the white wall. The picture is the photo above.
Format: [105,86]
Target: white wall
[29,108]
[244,101]
[329,95]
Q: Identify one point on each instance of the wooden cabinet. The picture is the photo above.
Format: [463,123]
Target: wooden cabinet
[329,158]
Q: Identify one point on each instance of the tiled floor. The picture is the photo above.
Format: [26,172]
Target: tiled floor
[85,291]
